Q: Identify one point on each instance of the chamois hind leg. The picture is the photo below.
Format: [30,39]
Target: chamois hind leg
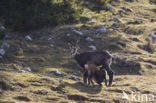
[110,73]
[105,79]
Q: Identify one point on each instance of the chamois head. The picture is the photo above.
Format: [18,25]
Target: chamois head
[74,49]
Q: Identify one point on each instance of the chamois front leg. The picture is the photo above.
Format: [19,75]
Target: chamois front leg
[85,75]
[110,73]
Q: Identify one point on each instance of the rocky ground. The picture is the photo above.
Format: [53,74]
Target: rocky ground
[37,67]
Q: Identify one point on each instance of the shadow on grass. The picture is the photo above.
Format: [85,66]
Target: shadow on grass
[81,87]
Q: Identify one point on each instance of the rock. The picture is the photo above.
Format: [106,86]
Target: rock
[78,32]
[58,72]
[89,39]
[149,66]
[74,78]
[101,30]
[2,27]
[6,36]
[117,20]
[92,47]
[3,69]
[2,52]
[68,34]
[52,45]
[5,45]
[49,38]
[28,38]
[27,69]
[153,36]
[110,8]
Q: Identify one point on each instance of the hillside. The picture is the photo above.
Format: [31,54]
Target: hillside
[37,66]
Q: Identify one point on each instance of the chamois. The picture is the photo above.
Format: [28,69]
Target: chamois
[95,73]
[99,58]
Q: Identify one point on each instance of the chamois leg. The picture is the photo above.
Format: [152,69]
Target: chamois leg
[90,75]
[105,79]
[100,84]
[92,82]
[110,73]
[85,75]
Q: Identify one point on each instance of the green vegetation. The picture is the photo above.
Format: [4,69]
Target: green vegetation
[32,14]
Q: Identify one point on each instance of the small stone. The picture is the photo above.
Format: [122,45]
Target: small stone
[2,52]
[52,45]
[101,30]
[5,45]
[89,39]
[2,27]
[58,72]
[28,38]
[28,69]
[68,34]
[110,8]
[78,32]
[153,36]
[92,47]
[49,38]
[149,66]
[117,20]
[3,69]
[74,78]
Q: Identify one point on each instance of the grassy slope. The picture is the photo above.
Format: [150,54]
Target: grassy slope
[41,57]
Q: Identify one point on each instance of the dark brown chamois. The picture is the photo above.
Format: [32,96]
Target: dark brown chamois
[99,58]
[95,73]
